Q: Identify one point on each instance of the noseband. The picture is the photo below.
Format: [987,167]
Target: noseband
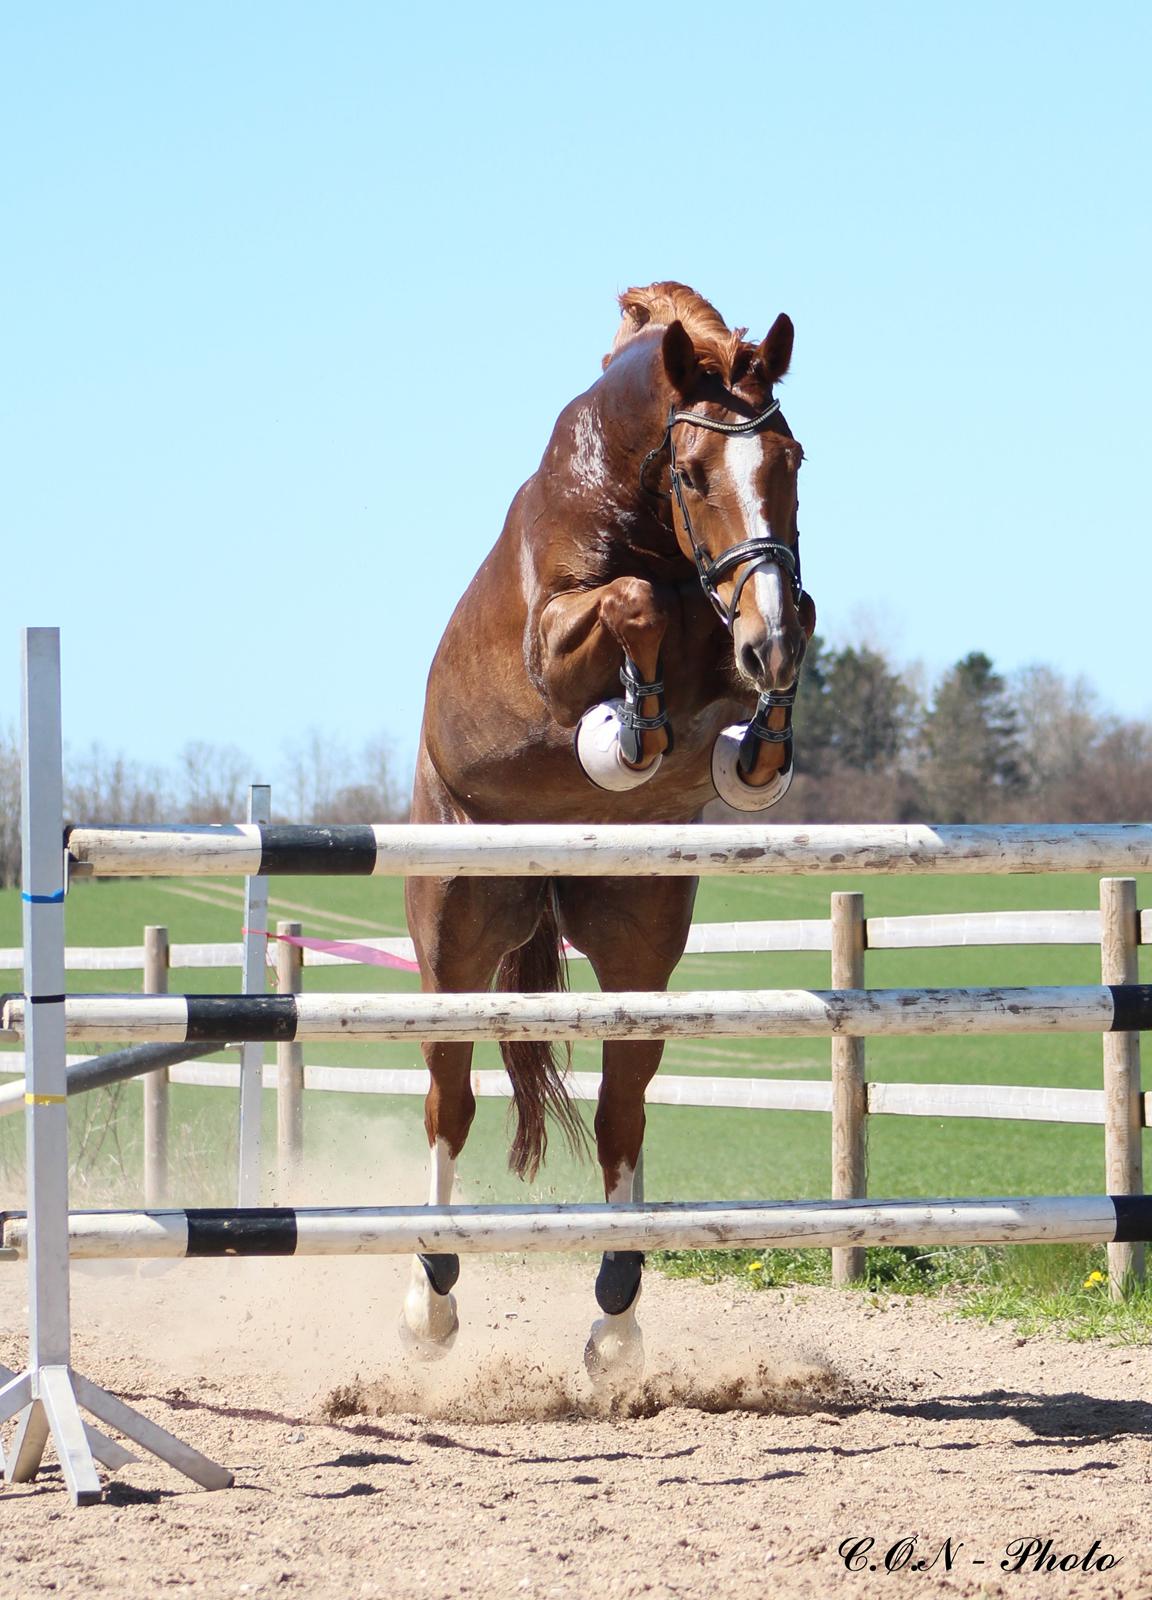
[749,553]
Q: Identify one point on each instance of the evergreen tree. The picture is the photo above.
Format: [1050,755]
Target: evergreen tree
[870,708]
[852,710]
[971,744]
[812,717]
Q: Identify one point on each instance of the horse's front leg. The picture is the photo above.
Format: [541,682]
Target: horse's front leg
[588,644]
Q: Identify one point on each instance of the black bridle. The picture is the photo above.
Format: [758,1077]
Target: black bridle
[751,554]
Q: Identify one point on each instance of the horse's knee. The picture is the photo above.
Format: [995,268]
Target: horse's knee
[635,611]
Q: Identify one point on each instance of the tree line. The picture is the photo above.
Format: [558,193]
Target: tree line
[873,744]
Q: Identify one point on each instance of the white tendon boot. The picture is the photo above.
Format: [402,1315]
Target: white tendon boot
[614,1354]
[731,787]
[429,1323]
[598,750]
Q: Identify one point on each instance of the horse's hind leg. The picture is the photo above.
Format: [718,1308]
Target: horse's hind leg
[461,928]
[633,932]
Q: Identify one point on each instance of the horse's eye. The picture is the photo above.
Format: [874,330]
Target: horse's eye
[696,481]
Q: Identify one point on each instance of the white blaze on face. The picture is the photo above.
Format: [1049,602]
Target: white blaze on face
[743,462]
[588,456]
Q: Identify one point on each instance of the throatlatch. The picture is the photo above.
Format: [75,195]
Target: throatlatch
[735,752]
[610,735]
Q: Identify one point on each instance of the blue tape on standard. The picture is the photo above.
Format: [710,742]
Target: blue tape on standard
[45,899]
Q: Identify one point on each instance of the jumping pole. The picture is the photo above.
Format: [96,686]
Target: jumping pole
[542,1229]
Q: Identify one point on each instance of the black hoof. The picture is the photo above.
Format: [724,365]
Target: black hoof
[618,1281]
[442,1271]
[631,746]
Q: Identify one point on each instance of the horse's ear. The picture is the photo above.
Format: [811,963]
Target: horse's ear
[775,354]
[680,359]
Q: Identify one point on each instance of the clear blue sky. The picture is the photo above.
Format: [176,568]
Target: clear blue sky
[294,293]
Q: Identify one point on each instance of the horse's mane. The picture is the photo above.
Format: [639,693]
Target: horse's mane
[717,345]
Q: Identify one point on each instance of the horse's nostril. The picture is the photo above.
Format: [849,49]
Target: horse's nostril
[753,661]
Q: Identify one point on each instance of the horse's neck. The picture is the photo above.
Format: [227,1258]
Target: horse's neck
[631,408]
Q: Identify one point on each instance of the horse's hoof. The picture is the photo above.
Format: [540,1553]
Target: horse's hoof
[729,784]
[429,1322]
[424,1349]
[599,754]
[614,1355]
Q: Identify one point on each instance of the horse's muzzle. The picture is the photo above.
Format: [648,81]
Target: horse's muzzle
[771,660]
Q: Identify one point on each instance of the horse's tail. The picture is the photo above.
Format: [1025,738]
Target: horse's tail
[538,1087]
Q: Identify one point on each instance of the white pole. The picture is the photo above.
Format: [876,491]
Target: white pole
[253,982]
[46,1095]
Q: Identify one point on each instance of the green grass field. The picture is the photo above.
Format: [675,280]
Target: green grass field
[691,1153]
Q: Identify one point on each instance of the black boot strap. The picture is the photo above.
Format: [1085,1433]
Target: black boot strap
[636,690]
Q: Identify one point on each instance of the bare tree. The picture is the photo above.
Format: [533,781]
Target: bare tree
[1058,724]
[212,782]
[327,784]
[102,787]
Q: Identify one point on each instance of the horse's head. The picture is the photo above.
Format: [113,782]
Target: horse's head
[734,466]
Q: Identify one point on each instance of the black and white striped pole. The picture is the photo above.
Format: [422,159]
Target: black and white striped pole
[49,1393]
[627,849]
[177,1234]
[695,1014]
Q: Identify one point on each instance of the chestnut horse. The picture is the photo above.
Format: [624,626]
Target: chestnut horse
[655,549]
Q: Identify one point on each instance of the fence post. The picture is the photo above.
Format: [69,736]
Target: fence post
[849,1093]
[289,1066]
[249,1142]
[156,1084]
[1123,1118]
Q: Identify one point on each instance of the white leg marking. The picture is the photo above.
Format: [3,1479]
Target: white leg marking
[430,1318]
[443,1174]
[621,1193]
[614,1355]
